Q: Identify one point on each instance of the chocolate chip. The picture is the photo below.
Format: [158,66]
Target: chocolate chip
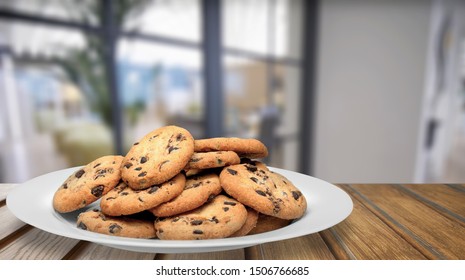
[195,159]
[211,197]
[219,161]
[110,198]
[175,219]
[232,171]
[254,179]
[284,182]
[180,137]
[251,168]
[137,143]
[142,174]
[127,165]
[225,209]
[170,149]
[97,191]
[196,222]
[143,160]
[229,203]
[153,189]
[260,192]
[100,173]
[124,193]
[196,185]
[114,228]
[140,199]
[214,219]
[83,226]
[64,186]
[79,173]
[161,164]
[296,195]
[102,216]
[97,165]
[138,168]
[198,231]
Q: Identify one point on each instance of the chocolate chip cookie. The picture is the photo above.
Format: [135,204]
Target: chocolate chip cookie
[250,223]
[96,221]
[206,160]
[265,191]
[157,157]
[88,184]
[197,191]
[219,218]
[249,148]
[267,223]
[123,200]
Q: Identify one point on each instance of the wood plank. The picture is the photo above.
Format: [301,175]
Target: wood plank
[309,247]
[220,255]
[364,236]
[448,200]
[433,234]
[9,222]
[37,245]
[4,189]
[93,251]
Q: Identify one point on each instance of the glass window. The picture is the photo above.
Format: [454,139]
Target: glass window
[84,11]
[56,101]
[159,85]
[262,80]
[171,18]
[245,95]
[287,37]
[245,25]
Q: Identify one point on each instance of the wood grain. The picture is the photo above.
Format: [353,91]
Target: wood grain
[309,247]
[364,236]
[9,223]
[430,232]
[221,255]
[37,245]
[448,200]
[389,221]
[92,251]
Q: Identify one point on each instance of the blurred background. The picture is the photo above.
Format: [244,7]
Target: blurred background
[356,91]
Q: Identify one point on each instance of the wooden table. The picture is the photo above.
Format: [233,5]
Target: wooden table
[389,221]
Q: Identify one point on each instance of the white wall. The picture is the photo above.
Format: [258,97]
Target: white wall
[371,70]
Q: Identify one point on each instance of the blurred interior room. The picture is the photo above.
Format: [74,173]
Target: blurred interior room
[355,91]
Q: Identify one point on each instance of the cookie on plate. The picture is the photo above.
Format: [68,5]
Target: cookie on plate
[207,160]
[96,221]
[249,148]
[88,184]
[267,223]
[197,191]
[123,200]
[219,218]
[157,157]
[250,223]
[265,191]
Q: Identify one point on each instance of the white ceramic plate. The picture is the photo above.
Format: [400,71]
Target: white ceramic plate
[31,202]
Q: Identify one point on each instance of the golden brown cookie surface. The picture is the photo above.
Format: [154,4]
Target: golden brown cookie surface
[88,184]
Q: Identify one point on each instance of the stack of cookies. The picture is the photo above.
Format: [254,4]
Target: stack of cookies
[172,187]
